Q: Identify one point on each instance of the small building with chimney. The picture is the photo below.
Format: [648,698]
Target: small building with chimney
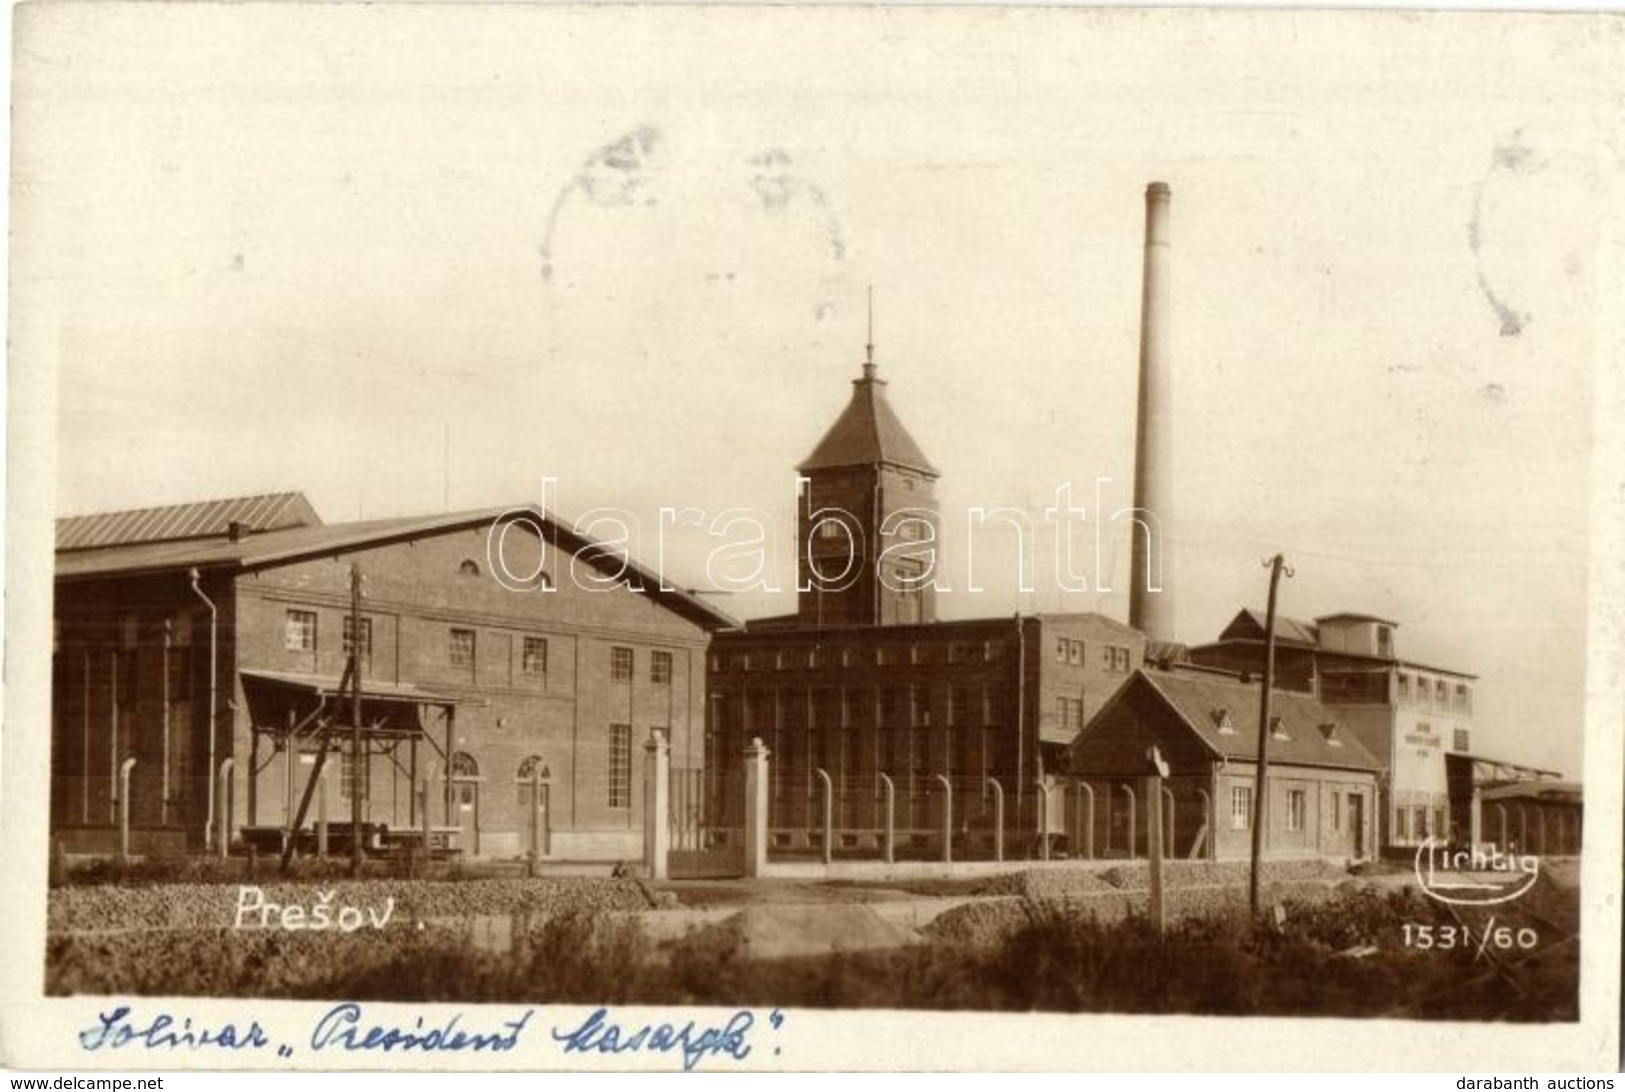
[522,695]
[1322,781]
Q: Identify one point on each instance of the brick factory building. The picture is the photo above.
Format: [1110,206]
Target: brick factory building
[508,694]
[864,683]
[1411,715]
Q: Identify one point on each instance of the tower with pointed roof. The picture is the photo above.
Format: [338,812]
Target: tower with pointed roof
[867,517]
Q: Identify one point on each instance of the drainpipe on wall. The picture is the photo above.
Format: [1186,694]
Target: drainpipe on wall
[214,636]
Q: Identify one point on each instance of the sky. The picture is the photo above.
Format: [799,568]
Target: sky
[409,258]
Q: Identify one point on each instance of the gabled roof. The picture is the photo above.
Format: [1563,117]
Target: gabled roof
[1202,699]
[177,522]
[1250,624]
[281,547]
[868,432]
[1355,616]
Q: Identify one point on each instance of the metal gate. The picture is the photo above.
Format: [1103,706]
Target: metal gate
[700,846]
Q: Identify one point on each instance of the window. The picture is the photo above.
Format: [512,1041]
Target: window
[781,662]
[299,631]
[1385,641]
[1440,829]
[1294,809]
[532,772]
[1074,654]
[884,656]
[364,653]
[1402,825]
[1061,646]
[533,656]
[469,567]
[461,651]
[1337,811]
[129,629]
[1113,657]
[620,664]
[890,706]
[1464,698]
[1241,807]
[920,706]
[347,776]
[1404,687]
[1422,690]
[1420,823]
[660,668]
[829,527]
[465,776]
[1462,740]
[1441,692]
[620,765]
[1069,713]
[956,653]
[958,705]
[719,661]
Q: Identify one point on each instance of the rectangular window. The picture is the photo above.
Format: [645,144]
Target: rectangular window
[620,765]
[1464,698]
[1441,692]
[1419,824]
[365,653]
[1337,812]
[533,656]
[620,664]
[347,776]
[920,706]
[1241,807]
[1074,654]
[1462,740]
[660,668]
[781,661]
[1422,690]
[1122,659]
[1061,648]
[1402,825]
[956,653]
[1295,803]
[1404,687]
[1439,829]
[884,656]
[461,650]
[299,631]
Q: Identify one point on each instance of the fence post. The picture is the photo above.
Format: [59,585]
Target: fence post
[224,802]
[1041,791]
[829,814]
[755,808]
[890,829]
[1133,845]
[124,810]
[1170,841]
[1153,849]
[321,813]
[947,819]
[998,818]
[1087,842]
[657,806]
[423,816]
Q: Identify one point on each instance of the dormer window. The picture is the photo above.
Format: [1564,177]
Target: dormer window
[1222,721]
[1278,728]
[1329,731]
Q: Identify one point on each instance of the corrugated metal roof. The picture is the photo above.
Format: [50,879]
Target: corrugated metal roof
[1203,701]
[300,542]
[1250,623]
[868,431]
[179,522]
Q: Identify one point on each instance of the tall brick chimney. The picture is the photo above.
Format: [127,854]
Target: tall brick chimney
[1150,607]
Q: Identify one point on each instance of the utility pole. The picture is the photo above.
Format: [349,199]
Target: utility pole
[1276,566]
[357,777]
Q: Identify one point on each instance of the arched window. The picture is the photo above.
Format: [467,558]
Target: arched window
[531,771]
[465,774]
[469,567]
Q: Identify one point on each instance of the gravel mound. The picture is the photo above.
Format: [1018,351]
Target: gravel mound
[779,932]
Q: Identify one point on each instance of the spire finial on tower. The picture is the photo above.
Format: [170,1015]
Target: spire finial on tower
[869,346]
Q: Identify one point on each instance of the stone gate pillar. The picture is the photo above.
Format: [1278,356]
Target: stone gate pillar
[755,808]
[656,805]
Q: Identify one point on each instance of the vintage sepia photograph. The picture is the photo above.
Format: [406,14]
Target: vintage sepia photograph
[634,537]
